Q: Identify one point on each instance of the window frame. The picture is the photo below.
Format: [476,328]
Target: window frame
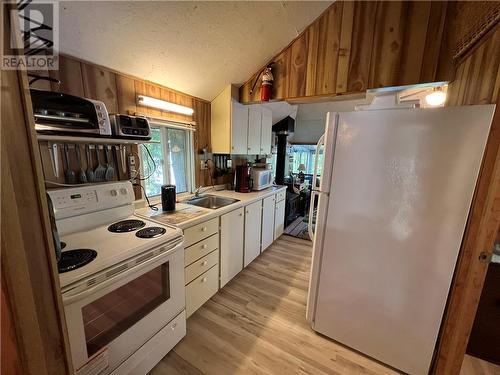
[190,173]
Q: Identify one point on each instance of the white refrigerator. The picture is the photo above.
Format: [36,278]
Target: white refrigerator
[395,192]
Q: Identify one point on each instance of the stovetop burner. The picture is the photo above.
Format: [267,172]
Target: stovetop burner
[126,226]
[74,259]
[150,232]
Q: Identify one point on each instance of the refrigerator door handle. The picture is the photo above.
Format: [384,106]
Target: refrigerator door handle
[321,141]
[311,213]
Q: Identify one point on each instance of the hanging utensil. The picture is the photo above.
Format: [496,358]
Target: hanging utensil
[100,171]
[89,172]
[69,175]
[54,158]
[123,158]
[82,177]
[110,172]
[114,150]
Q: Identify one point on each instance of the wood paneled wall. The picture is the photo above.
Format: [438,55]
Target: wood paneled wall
[354,46]
[119,92]
[477,76]
[358,45]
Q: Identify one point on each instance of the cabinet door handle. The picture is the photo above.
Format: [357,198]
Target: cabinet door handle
[204,229]
[204,246]
[241,214]
[247,211]
[204,280]
[204,263]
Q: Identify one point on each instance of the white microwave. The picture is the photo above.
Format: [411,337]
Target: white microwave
[261,178]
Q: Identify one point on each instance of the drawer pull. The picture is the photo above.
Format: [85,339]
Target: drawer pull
[174,326]
[241,214]
[204,246]
[247,211]
[204,280]
[204,229]
[204,263]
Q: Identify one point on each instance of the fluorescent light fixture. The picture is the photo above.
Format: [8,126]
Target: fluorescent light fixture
[163,105]
[436,98]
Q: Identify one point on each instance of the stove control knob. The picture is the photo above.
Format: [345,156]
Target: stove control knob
[114,193]
[123,191]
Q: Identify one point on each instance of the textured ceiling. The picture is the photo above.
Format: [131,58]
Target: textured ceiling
[194,47]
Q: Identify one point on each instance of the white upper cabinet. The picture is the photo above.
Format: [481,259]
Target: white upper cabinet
[266,132]
[254,129]
[239,122]
[237,128]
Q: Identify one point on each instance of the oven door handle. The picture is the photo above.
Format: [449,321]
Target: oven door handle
[77,294]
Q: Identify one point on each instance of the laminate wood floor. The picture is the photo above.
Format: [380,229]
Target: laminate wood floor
[476,366]
[256,325]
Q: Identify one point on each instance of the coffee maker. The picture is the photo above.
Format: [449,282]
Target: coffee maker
[243,182]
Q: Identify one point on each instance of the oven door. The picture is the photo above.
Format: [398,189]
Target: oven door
[109,322]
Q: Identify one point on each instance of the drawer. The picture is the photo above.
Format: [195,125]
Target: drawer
[200,249]
[201,289]
[280,195]
[200,231]
[201,265]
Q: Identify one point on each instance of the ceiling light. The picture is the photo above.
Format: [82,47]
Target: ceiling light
[163,105]
[436,98]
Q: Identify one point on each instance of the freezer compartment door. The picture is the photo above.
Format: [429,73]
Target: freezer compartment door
[401,189]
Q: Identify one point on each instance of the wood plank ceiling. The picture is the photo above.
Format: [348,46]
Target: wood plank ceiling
[355,46]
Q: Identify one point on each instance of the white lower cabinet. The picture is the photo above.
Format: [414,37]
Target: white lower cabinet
[253,221]
[201,261]
[201,289]
[231,245]
[279,219]
[214,255]
[267,222]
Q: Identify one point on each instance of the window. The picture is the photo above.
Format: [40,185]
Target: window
[305,154]
[173,157]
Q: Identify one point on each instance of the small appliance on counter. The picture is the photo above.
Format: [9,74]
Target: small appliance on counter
[243,182]
[57,113]
[134,127]
[262,178]
[168,198]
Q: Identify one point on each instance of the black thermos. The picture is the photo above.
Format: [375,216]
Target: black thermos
[168,197]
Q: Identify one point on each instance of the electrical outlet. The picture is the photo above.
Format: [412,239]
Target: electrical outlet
[132,168]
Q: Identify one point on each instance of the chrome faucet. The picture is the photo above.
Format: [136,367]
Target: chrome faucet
[197,191]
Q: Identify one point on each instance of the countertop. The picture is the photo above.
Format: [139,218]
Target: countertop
[194,215]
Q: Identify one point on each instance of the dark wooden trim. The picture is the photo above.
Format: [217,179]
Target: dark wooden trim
[481,231]
[30,282]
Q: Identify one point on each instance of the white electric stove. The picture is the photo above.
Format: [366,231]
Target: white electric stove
[122,280]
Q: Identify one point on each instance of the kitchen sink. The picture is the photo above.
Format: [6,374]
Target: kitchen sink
[211,201]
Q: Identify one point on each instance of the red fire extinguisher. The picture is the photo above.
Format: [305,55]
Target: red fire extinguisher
[266,85]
